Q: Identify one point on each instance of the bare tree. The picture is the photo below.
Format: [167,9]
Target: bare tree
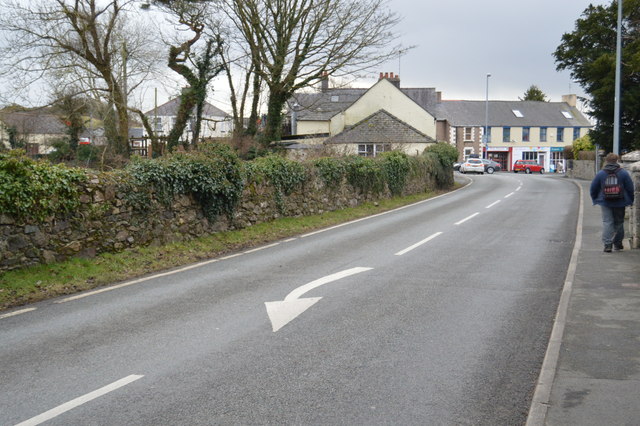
[194,58]
[81,44]
[293,43]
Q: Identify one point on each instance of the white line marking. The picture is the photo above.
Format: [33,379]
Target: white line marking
[13,314]
[289,240]
[492,204]
[467,218]
[383,213]
[79,401]
[509,195]
[519,188]
[128,283]
[261,248]
[418,244]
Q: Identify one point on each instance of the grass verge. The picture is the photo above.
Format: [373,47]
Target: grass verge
[41,282]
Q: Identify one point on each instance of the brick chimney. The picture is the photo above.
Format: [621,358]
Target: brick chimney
[393,79]
[324,82]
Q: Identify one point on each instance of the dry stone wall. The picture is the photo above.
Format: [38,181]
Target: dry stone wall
[106,222]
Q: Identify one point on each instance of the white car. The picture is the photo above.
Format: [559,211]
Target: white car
[472,165]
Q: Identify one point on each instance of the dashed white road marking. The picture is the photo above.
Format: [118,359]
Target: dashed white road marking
[261,248]
[418,244]
[509,195]
[54,412]
[14,313]
[492,204]
[467,218]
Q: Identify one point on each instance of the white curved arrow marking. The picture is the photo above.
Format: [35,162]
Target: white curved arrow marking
[284,311]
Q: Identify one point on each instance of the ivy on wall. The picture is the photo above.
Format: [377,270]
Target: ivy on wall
[35,190]
[213,175]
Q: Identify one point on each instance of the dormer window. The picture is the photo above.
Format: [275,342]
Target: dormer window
[567,114]
[517,113]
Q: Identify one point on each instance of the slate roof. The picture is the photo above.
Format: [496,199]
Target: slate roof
[170,109]
[324,105]
[534,113]
[34,123]
[380,127]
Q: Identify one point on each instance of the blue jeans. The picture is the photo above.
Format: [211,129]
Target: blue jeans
[612,225]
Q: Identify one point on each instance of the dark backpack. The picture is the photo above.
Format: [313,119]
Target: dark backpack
[612,189]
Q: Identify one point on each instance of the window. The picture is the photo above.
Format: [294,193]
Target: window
[468,134]
[567,114]
[157,124]
[467,153]
[488,134]
[506,134]
[371,150]
[525,134]
[517,113]
[530,155]
[576,133]
[543,134]
[560,132]
[335,98]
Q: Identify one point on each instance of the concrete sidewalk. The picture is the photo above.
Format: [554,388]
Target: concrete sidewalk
[591,374]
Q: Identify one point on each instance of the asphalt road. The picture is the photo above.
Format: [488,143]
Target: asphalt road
[437,313]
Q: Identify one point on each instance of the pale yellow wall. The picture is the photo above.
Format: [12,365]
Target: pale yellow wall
[312,127]
[384,95]
[534,137]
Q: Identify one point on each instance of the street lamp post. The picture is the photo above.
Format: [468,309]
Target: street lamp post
[616,113]
[485,136]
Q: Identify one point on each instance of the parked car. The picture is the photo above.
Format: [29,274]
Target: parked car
[527,166]
[472,165]
[456,165]
[491,166]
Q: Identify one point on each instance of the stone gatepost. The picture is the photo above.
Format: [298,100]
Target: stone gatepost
[631,162]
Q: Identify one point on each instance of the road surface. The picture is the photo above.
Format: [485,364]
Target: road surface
[437,313]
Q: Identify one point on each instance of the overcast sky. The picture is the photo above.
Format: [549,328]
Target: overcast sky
[460,41]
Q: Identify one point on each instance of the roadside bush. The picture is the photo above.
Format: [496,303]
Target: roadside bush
[36,190]
[212,175]
[396,166]
[447,153]
[431,165]
[284,175]
[331,170]
[365,174]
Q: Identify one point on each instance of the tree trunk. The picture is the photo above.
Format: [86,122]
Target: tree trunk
[277,100]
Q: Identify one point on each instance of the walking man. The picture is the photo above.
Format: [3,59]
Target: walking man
[612,190]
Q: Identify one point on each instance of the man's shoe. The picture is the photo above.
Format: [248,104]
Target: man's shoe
[607,248]
[618,246]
